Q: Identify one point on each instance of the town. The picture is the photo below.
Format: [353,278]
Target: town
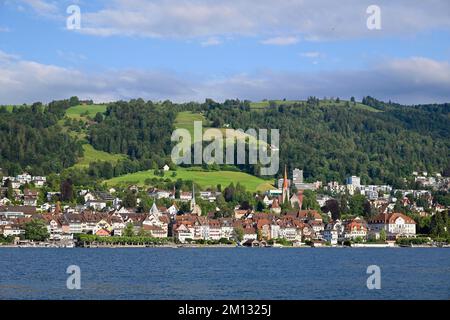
[296,213]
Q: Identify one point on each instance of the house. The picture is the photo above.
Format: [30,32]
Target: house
[249,234]
[275,208]
[162,194]
[155,231]
[12,230]
[214,230]
[394,224]
[226,228]
[240,213]
[30,197]
[333,232]
[96,204]
[297,200]
[39,181]
[103,224]
[183,231]
[185,196]
[28,211]
[166,167]
[172,210]
[103,233]
[201,228]
[317,226]
[73,223]
[355,228]
[156,223]
[287,230]
[263,226]
[309,215]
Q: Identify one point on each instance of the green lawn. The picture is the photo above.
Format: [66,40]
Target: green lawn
[92,155]
[77,112]
[204,178]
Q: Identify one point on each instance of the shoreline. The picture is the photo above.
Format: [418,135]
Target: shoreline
[193,246]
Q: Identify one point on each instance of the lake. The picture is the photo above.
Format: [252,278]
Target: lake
[224,273]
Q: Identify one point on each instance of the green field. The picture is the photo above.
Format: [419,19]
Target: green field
[92,155]
[78,112]
[266,103]
[185,120]
[204,178]
[261,105]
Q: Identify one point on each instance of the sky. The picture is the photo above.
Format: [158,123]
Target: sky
[190,50]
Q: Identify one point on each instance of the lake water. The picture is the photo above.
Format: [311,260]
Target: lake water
[223,273]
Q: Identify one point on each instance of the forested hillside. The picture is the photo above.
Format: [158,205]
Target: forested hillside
[328,139]
[331,141]
[31,140]
[139,129]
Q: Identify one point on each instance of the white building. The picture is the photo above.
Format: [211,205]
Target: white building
[395,224]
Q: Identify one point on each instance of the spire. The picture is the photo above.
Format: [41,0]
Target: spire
[285,182]
[154,209]
[193,197]
[285,194]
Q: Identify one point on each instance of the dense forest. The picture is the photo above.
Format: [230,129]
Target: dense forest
[331,141]
[31,140]
[381,142]
[139,129]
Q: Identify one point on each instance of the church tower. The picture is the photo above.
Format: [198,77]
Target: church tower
[195,208]
[285,195]
[193,198]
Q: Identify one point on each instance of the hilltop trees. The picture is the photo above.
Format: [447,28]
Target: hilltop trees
[330,142]
[31,139]
[139,129]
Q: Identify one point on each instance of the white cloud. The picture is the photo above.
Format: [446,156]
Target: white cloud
[313,20]
[212,41]
[281,41]
[42,6]
[413,80]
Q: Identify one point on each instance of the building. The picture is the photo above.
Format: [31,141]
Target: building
[285,192]
[353,181]
[394,224]
[356,228]
[297,177]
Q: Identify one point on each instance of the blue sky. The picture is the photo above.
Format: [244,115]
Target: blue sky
[193,49]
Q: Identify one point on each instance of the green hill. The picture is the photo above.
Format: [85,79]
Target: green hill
[91,155]
[204,178]
[81,111]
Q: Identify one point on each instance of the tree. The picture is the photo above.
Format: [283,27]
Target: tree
[67,190]
[36,230]
[98,117]
[260,206]
[356,204]
[239,233]
[74,101]
[9,191]
[310,200]
[383,235]
[439,224]
[130,200]
[128,231]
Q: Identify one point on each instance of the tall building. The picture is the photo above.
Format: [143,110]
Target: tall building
[297,176]
[285,195]
[354,181]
